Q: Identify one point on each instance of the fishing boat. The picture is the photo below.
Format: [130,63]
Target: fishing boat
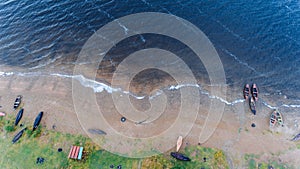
[17,102]
[254,92]
[19,117]
[279,117]
[179,143]
[273,119]
[252,105]
[2,113]
[180,156]
[246,91]
[18,136]
[296,138]
[37,120]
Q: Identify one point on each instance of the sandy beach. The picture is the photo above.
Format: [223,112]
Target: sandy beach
[234,134]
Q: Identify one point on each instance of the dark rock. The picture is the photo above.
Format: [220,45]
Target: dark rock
[253,125]
[59,149]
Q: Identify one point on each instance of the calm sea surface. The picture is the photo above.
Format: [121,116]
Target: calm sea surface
[257,41]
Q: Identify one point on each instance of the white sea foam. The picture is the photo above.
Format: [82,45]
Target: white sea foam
[99,87]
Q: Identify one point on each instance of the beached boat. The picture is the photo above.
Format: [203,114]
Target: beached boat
[2,113]
[252,105]
[179,143]
[273,119]
[37,120]
[279,117]
[254,92]
[18,136]
[296,138]
[17,102]
[180,156]
[246,91]
[19,117]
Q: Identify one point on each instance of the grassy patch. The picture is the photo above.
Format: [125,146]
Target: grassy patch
[45,143]
[253,163]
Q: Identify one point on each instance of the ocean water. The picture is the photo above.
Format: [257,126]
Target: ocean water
[257,41]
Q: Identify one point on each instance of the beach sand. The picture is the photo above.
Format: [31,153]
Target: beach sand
[234,134]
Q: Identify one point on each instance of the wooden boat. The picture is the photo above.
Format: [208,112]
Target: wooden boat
[179,143]
[37,120]
[296,138]
[273,119]
[279,117]
[19,117]
[252,105]
[2,113]
[180,156]
[18,136]
[246,91]
[17,102]
[254,92]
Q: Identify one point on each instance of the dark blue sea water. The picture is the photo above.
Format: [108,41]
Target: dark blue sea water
[258,41]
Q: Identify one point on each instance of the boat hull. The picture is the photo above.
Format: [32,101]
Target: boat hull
[180,156]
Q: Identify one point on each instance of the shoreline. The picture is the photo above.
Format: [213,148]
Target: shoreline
[234,134]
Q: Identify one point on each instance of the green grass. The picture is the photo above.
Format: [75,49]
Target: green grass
[44,143]
[215,158]
[252,161]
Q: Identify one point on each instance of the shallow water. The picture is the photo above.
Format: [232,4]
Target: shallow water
[256,41]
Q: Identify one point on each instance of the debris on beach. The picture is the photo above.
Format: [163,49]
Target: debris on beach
[19,117]
[123,119]
[96,131]
[18,136]
[296,138]
[37,120]
[253,125]
[180,156]
[17,102]
[2,113]
[40,160]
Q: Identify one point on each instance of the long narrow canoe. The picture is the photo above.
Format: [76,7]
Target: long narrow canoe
[37,120]
[179,143]
[254,92]
[17,102]
[18,136]
[252,105]
[246,91]
[180,156]
[273,119]
[296,138]
[279,117]
[19,117]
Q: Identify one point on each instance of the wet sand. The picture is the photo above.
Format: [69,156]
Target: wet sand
[234,134]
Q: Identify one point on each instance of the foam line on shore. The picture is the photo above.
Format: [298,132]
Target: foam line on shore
[99,87]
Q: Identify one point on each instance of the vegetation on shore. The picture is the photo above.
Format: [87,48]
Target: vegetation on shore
[45,144]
